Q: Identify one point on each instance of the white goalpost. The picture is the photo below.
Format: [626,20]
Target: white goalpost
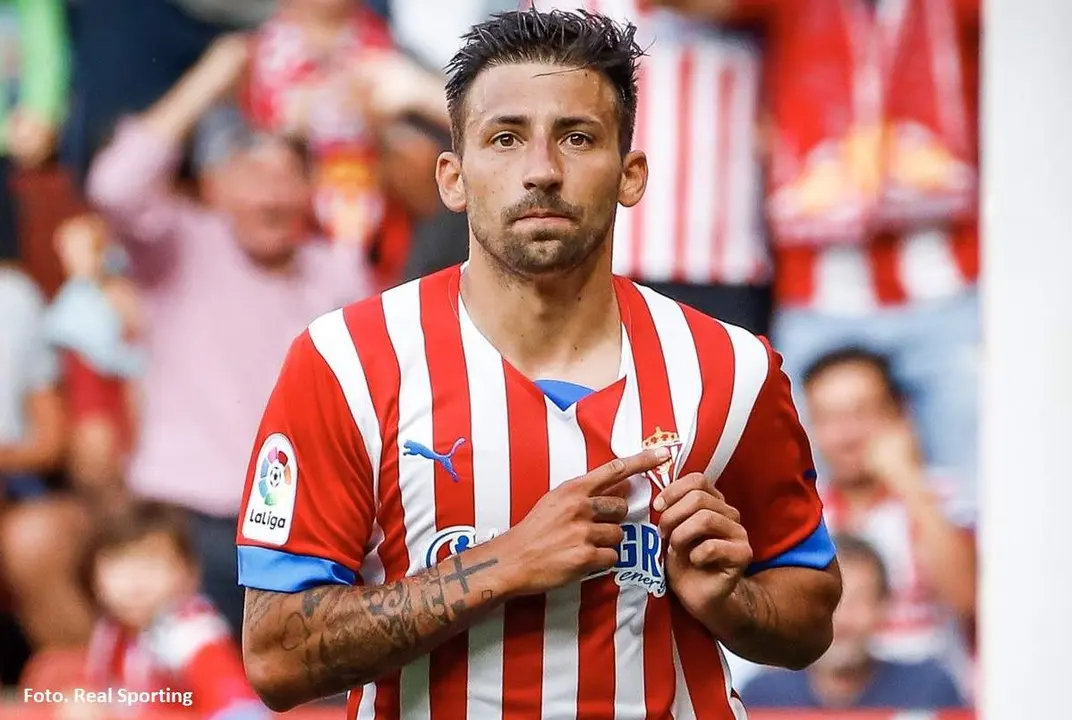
[1026,442]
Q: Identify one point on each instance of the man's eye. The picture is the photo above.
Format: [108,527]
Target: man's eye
[578,140]
[504,140]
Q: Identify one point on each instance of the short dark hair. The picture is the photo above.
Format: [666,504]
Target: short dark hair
[572,39]
[131,525]
[853,355]
[854,547]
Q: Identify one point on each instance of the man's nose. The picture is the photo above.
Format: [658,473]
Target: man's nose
[543,166]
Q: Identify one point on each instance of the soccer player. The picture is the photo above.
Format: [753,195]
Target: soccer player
[524,487]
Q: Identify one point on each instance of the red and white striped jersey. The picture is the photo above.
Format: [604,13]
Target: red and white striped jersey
[397,435]
[887,271]
[701,219]
[187,650]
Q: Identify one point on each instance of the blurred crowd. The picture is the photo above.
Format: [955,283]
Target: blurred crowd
[210,175]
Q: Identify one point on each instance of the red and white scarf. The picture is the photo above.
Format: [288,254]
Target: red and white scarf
[872,129]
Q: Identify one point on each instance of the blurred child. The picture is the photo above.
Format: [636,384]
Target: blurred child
[155,633]
[93,323]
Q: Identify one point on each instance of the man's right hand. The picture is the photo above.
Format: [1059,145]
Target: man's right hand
[574,530]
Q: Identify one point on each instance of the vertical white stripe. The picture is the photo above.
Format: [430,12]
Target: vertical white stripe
[332,340]
[700,190]
[366,709]
[569,459]
[491,504]
[682,365]
[662,89]
[843,280]
[745,250]
[683,708]
[626,439]
[751,365]
[736,706]
[402,309]
[926,265]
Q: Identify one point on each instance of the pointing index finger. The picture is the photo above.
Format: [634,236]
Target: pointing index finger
[606,476]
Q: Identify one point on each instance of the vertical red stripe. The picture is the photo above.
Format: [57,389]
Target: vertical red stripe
[727,84]
[883,256]
[368,327]
[449,664]
[794,275]
[523,623]
[704,675]
[636,221]
[598,616]
[966,252]
[353,702]
[684,163]
[656,411]
[714,350]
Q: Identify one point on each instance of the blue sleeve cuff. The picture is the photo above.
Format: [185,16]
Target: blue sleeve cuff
[816,551]
[278,571]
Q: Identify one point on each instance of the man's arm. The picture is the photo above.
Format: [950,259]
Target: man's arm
[779,616]
[130,180]
[330,639]
[748,553]
[944,550]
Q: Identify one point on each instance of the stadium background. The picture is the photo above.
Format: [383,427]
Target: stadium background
[110,59]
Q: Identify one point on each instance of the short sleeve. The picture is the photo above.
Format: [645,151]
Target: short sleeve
[770,480]
[307,508]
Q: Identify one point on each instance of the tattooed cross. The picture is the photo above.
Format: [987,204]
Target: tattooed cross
[462,574]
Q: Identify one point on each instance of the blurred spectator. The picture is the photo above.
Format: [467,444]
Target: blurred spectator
[93,323]
[325,71]
[226,286]
[873,195]
[879,488]
[431,34]
[126,55]
[154,630]
[33,82]
[36,545]
[849,675]
[698,234]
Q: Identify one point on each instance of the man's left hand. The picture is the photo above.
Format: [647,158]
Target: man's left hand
[707,549]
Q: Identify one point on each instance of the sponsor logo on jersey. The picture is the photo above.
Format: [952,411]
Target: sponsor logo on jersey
[452,541]
[639,556]
[444,460]
[640,561]
[666,473]
[270,510]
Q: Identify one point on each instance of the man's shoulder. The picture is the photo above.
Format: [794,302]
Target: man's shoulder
[711,336]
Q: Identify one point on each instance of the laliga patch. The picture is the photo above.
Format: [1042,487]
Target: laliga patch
[270,511]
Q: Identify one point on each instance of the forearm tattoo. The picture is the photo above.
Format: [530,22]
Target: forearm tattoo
[343,636]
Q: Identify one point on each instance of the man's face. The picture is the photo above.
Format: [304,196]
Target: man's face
[847,405]
[541,171]
[857,617]
[267,195]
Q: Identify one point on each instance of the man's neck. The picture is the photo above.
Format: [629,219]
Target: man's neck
[566,328]
[841,687]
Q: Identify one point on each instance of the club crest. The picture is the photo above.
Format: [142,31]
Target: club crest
[664,474]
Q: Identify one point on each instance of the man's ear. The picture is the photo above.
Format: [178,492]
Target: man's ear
[634,179]
[450,182]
